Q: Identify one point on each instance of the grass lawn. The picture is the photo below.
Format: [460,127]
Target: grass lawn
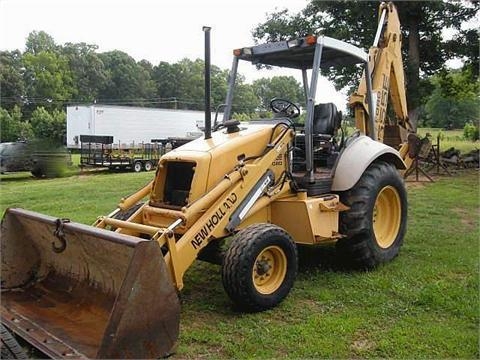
[450,138]
[425,304]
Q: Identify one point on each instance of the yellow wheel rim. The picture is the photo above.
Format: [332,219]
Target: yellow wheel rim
[387,214]
[269,270]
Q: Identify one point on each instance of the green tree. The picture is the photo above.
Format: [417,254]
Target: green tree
[352,21]
[48,79]
[284,87]
[166,77]
[191,84]
[12,127]
[471,131]
[183,83]
[88,71]
[454,101]
[127,82]
[39,41]
[245,100]
[12,88]
[219,85]
[465,46]
[147,66]
[49,125]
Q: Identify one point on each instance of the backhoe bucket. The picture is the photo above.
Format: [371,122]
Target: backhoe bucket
[76,291]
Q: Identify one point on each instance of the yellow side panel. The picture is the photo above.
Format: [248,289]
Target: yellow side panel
[224,151]
[304,220]
[261,216]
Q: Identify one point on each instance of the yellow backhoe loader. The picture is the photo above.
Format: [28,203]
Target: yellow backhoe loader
[110,290]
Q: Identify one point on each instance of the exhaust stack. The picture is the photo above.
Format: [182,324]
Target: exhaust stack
[208,114]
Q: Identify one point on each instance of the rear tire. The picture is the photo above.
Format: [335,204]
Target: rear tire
[10,348]
[259,267]
[376,223]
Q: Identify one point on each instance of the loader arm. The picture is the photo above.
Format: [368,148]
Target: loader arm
[214,221]
[388,86]
[217,213]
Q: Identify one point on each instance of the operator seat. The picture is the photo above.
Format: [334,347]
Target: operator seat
[326,119]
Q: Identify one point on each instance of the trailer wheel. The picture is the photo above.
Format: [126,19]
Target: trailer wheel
[10,348]
[259,267]
[137,166]
[376,223]
[148,166]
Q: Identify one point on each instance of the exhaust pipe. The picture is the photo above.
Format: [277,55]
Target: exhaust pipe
[208,114]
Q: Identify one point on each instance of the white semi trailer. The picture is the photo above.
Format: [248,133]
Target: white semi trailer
[131,125]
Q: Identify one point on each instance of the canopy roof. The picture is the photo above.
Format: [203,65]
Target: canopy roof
[299,53]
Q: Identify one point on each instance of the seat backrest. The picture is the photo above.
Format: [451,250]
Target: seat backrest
[326,119]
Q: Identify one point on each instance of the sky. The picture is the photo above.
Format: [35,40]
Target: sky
[152,30]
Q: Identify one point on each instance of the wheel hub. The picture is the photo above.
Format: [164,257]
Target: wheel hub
[386,216]
[269,269]
[263,267]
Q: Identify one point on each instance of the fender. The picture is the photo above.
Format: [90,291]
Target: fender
[358,154]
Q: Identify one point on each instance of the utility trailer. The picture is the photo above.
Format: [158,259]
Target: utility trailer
[101,151]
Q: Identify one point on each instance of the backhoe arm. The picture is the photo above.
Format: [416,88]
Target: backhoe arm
[388,83]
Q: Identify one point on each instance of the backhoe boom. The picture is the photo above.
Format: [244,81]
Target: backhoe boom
[388,84]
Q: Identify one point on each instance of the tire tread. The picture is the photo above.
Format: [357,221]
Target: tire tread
[356,223]
[235,269]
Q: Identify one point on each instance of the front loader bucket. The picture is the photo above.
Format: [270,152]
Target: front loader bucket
[74,291]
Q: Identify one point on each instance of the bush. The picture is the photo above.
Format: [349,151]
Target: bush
[12,127]
[241,117]
[471,131]
[49,125]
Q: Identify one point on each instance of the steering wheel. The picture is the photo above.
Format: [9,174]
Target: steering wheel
[286,107]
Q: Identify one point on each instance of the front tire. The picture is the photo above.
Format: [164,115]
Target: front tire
[376,222]
[259,267]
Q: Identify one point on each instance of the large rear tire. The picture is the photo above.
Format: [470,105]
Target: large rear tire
[259,267]
[376,223]
[10,348]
